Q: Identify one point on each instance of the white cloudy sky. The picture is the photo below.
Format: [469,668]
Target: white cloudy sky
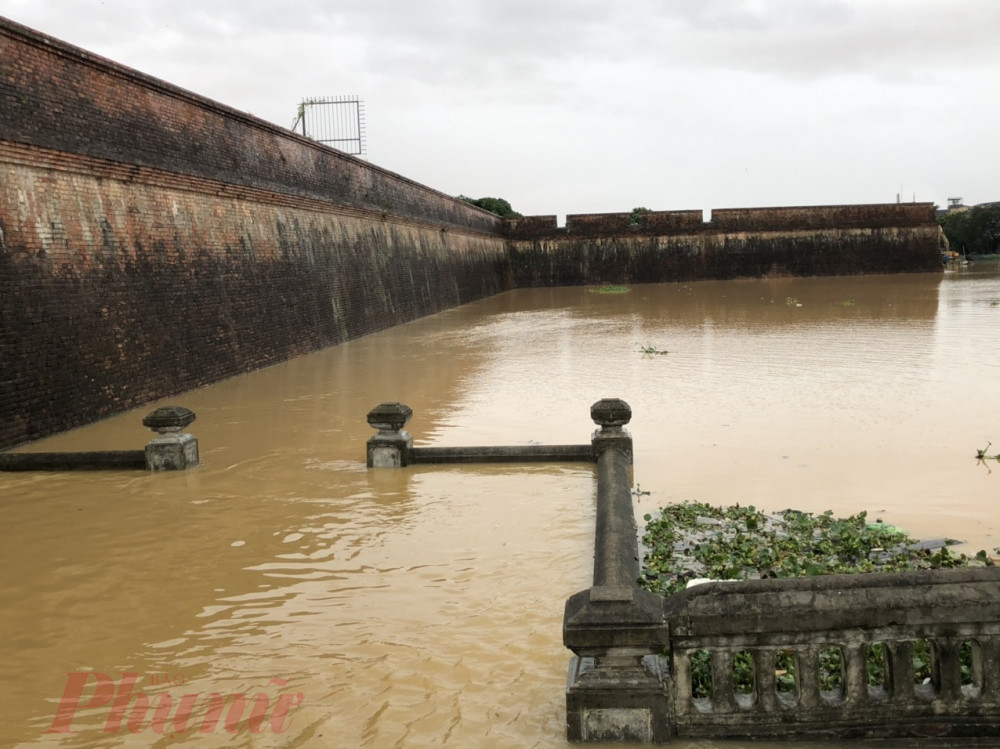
[575,106]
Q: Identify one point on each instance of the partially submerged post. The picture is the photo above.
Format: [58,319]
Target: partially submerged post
[616,689]
[393,447]
[174,449]
[390,448]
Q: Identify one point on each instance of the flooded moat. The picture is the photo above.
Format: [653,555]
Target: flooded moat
[423,607]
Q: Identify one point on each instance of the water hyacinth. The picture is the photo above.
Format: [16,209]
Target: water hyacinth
[695,540]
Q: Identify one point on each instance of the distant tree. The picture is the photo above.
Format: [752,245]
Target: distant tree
[975,231]
[638,211]
[955,226]
[499,206]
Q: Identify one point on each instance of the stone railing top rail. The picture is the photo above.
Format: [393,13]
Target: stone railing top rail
[923,598]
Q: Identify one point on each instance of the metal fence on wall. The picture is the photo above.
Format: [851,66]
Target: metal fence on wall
[336,121]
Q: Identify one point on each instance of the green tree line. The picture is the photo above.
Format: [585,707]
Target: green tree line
[975,231]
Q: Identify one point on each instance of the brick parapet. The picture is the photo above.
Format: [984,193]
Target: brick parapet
[56,96]
[727,221]
[152,241]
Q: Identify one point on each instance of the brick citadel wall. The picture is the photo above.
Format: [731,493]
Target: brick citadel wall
[152,241]
[735,243]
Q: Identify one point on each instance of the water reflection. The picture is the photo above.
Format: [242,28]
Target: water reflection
[421,607]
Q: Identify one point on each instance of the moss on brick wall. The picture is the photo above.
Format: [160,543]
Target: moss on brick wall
[152,241]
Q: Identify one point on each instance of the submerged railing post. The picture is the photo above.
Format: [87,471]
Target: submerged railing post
[393,447]
[173,449]
[390,448]
[616,689]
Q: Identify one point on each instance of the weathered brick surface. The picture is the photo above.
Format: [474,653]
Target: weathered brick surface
[152,241]
[798,218]
[56,96]
[112,294]
[736,243]
[667,222]
[531,226]
[729,221]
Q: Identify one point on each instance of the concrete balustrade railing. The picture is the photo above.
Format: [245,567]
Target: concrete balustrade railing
[806,643]
[173,449]
[617,681]
[393,446]
[617,686]
[810,622]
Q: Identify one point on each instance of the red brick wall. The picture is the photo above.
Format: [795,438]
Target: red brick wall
[152,241]
[736,243]
[60,97]
[798,218]
[730,220]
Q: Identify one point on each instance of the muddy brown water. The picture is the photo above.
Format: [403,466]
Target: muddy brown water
[423,607]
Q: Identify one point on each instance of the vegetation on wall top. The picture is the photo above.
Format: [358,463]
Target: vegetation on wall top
[499,206]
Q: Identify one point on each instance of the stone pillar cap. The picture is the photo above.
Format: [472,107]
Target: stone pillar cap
[611,413]
[169,418]
[389,417]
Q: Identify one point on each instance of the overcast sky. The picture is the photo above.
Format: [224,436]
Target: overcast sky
[577,106]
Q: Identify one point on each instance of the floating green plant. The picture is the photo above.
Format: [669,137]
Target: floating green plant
[849,303]
[981,454]
[696,540]
[652,350]
[791,301]
[609,290]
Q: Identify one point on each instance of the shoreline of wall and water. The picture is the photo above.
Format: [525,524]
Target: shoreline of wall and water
[153,241]
[411,605]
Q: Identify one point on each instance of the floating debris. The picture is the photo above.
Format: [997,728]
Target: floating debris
[981,454]
[609,290]
[652,350]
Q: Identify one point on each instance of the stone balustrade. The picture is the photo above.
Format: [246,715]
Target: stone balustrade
[830,657]
[173,449]
[834,657]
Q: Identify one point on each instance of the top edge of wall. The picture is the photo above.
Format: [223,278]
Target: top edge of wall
[51,45]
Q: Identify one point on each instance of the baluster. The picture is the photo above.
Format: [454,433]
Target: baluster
[975,688]
[854,672]
[683,685]
[901,671]
[948,668]
[807,677]
[723,696]
[765,681]
[989,658]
